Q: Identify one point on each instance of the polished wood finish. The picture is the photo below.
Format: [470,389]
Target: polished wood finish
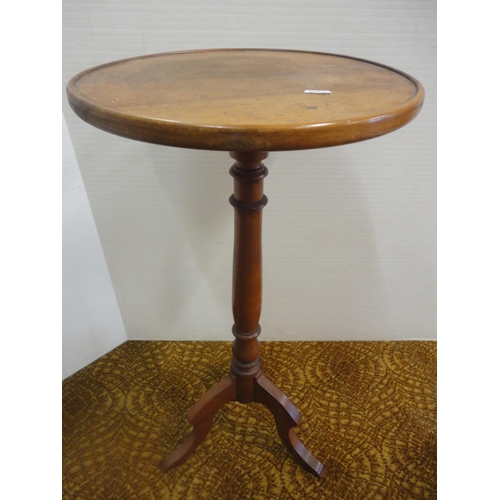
[286,417]
[245,99]
[247,102]
[200,416]
[246,382]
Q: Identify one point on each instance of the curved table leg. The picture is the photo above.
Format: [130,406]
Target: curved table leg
[200,416]
[286,416]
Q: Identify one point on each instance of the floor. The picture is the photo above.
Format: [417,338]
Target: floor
[368,414]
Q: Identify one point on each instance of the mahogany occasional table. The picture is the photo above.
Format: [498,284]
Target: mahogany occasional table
[247,102]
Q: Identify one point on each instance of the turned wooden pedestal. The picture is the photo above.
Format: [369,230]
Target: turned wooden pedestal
[248,102]
[246,382]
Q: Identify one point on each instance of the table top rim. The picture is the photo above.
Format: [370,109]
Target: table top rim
[215,137]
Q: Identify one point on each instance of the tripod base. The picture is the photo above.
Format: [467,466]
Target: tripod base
[286,415]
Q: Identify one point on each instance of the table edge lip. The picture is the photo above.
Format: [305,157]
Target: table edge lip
[107,118]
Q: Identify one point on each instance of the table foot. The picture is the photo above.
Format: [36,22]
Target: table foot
[286,416]
[201,416]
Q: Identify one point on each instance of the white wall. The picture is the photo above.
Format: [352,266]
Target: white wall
[349,232]
[92,324]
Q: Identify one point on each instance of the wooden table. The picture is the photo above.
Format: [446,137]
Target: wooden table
[247,102]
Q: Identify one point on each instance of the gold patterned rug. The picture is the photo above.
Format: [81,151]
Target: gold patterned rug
[368,414]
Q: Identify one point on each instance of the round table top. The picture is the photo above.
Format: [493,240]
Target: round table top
[246,99]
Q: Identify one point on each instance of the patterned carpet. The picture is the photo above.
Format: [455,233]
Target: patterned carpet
[368,414]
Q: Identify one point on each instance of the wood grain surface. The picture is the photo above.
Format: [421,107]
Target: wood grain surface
[246,99]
